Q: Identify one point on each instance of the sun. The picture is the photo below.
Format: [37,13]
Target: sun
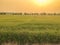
[42,2]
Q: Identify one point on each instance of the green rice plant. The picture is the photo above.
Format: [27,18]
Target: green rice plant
[30,33]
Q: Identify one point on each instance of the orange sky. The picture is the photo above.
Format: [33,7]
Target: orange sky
[27,6]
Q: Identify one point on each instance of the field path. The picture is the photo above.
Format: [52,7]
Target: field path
[27,44]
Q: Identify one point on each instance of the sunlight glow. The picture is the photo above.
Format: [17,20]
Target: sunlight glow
[42,2]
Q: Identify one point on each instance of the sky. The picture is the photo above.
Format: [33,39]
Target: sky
[28,6]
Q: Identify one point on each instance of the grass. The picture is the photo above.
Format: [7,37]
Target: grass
[29,29]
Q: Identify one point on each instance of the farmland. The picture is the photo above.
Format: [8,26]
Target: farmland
[29,29]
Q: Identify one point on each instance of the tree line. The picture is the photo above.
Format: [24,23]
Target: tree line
[26,13]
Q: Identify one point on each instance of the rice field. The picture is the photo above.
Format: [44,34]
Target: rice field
[29,30]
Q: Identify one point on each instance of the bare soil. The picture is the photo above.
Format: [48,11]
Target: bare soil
[27,44]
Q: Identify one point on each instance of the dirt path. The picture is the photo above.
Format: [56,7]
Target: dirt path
[27,44]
